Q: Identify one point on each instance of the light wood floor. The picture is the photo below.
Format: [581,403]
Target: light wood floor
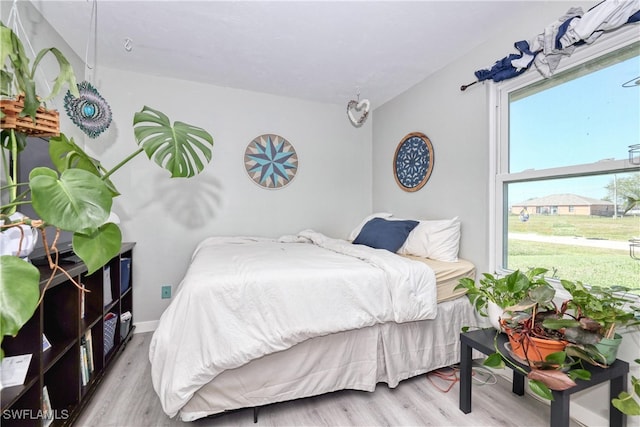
[126,398]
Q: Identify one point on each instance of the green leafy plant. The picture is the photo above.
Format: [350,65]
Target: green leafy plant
[626,402]
[609,307]
[525,325]
[503,291]
[579,323]
[77,196]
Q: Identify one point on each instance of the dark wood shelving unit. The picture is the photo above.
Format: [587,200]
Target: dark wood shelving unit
[65,316]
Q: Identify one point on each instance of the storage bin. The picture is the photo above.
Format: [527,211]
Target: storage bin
[125,274]
[110,324]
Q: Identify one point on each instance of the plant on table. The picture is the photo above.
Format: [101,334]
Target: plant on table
[576,327]
[541,348]
[501,292]
[78,195]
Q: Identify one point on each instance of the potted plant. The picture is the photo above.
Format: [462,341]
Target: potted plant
[572,331]
[524,324]
[491,294]
[77,196]
[604,309]
[536,343]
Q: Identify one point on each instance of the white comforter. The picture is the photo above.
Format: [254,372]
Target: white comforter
[243,298]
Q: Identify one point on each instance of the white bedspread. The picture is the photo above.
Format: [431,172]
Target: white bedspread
[243,298]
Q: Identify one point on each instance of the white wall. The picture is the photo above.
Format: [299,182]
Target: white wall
[330,193]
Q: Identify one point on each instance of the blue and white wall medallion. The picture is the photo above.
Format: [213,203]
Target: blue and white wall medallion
[90,112]
[413,162]
[271,161]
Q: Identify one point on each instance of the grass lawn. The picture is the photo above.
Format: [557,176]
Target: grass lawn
[594,266]
[621,229]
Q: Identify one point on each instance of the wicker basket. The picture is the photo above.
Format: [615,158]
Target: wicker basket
[47,122]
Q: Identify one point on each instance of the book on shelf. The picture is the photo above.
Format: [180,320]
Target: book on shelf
[47,412]
[84,368]
[106,283]
[13,370]
[82,292]
[89,347]
[46,345]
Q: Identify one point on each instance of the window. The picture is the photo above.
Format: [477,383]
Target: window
[562,156]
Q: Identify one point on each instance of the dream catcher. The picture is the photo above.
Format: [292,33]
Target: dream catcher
[89,111]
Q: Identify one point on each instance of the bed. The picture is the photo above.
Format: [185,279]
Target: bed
[257,321]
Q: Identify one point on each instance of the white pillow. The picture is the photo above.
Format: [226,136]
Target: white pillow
[435,239]
[356,230]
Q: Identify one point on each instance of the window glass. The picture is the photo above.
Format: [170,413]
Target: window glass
[572,227]
[581,116]
[564,191]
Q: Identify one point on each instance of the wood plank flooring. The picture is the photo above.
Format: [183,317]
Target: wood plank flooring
[126,398]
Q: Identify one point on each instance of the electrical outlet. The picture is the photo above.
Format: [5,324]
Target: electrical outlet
[166,292]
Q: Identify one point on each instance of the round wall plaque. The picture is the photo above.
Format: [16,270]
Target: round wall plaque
[271,161]
[413,161]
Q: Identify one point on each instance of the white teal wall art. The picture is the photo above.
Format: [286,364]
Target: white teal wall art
[413,161]
[271,161]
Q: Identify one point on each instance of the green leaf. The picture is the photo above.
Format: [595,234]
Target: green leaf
[182,149]
[66,74]
[78,201]
[543,294]
[540,389]
[21,139]
[96,249]
[626,404]
[19,293]
[65,154]
[579,374]
[494,361]
[550,323]
[556,358]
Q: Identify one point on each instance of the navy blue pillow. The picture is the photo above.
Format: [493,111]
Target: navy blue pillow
[382,234]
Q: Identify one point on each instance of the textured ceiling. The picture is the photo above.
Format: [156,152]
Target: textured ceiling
[321,51]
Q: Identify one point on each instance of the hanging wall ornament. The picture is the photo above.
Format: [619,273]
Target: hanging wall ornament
[90,112]
[358,107]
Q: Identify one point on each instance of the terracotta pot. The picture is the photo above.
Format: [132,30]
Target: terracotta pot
[532,348]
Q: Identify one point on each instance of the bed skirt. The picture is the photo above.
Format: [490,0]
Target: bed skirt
[356,359]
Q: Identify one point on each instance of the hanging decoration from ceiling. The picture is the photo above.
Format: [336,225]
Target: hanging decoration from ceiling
[271,161]
[560,38]
[413,162]
[355,107]
[89,111]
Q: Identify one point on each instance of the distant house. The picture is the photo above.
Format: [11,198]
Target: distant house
[564,204]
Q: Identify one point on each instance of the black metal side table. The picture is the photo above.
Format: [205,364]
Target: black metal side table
[483,341]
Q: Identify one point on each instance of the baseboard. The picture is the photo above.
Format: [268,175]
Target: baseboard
[142,327]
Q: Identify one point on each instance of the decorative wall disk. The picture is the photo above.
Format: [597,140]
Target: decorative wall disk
[90,112]
[271,161]
[413,161]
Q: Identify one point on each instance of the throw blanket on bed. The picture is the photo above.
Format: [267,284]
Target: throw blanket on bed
[243,298]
